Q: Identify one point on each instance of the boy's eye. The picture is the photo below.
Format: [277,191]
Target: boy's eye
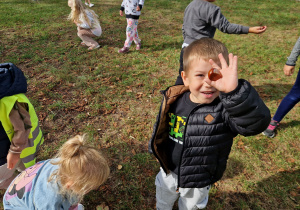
[200,75]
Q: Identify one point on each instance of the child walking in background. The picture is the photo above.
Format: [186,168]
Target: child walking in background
[88,3]
[197,122]
[59,183]
[201,19]
[87,22]
[20,134]
[292,98]
[132,11]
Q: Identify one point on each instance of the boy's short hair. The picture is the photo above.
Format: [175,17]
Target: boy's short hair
[205,48]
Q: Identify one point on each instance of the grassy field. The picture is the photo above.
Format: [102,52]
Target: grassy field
[115,98]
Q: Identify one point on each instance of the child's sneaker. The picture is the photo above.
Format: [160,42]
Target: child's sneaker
[86,3]
[270,131]
[94,47]
[124,50]
[138,46]
[91,5]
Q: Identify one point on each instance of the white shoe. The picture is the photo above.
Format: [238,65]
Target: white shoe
[80,206]
[91,5]
[86,3]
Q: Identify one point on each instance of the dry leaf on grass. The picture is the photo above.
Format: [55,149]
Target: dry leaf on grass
[102,206]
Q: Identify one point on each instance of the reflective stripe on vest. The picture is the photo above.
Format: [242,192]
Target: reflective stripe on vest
[35,138]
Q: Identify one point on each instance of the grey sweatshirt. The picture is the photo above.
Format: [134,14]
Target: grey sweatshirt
[201,19]
[294,54]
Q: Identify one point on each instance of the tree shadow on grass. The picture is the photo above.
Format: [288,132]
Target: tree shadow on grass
[115,41]
[289,124]
[233,168]
[273,91]
[163,46]
[279,191]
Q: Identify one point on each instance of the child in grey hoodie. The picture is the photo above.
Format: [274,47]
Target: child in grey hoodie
[201,19]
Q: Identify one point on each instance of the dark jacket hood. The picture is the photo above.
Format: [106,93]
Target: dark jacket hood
[12,80]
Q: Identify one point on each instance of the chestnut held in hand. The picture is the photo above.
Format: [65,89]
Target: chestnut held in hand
[214,74]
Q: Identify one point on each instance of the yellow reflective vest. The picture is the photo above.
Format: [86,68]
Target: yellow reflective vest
[35,138]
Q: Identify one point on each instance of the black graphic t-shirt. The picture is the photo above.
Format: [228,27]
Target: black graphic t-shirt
[177,117]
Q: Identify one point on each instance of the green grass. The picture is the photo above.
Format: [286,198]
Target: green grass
[115,98]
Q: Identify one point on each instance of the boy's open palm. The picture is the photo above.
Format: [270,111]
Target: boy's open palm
[229,80]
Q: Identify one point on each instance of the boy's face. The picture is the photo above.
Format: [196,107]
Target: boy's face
[201,92]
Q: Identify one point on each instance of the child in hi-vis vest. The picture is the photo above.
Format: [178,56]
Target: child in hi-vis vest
[20,134]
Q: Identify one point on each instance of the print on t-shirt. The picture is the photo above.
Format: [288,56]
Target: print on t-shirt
[176,127]
[23,182]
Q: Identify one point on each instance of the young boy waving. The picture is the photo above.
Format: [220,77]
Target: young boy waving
[197,122]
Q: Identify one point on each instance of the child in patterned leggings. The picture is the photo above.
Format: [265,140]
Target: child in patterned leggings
[133,11]
[292,98]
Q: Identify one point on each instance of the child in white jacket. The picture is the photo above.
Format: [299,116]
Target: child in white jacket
[87,22]
[132,11]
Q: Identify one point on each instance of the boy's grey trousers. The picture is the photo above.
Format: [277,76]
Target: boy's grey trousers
[189,198]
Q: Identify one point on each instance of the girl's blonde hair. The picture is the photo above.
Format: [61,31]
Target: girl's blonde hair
[81,168]
[204,48]
[79,8]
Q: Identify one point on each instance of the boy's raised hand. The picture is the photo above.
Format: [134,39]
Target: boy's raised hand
[229,80]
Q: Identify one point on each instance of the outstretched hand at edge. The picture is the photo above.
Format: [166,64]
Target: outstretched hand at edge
[257,29]
[288,70]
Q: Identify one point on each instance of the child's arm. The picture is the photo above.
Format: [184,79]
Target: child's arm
[245,112]
[83,22]
[289,67]
[288,70]
[122,8]
[257,29]
[140,6]
[218,20]
[20,119]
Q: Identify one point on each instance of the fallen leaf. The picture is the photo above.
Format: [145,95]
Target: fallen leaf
[120,167]
[293,193]
[290,160]
[102,206]
[133,152]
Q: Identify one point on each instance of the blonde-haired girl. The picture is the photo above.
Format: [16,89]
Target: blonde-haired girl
[59,183]
[87,22]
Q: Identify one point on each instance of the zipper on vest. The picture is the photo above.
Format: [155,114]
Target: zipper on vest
[165,98]
[183,141]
